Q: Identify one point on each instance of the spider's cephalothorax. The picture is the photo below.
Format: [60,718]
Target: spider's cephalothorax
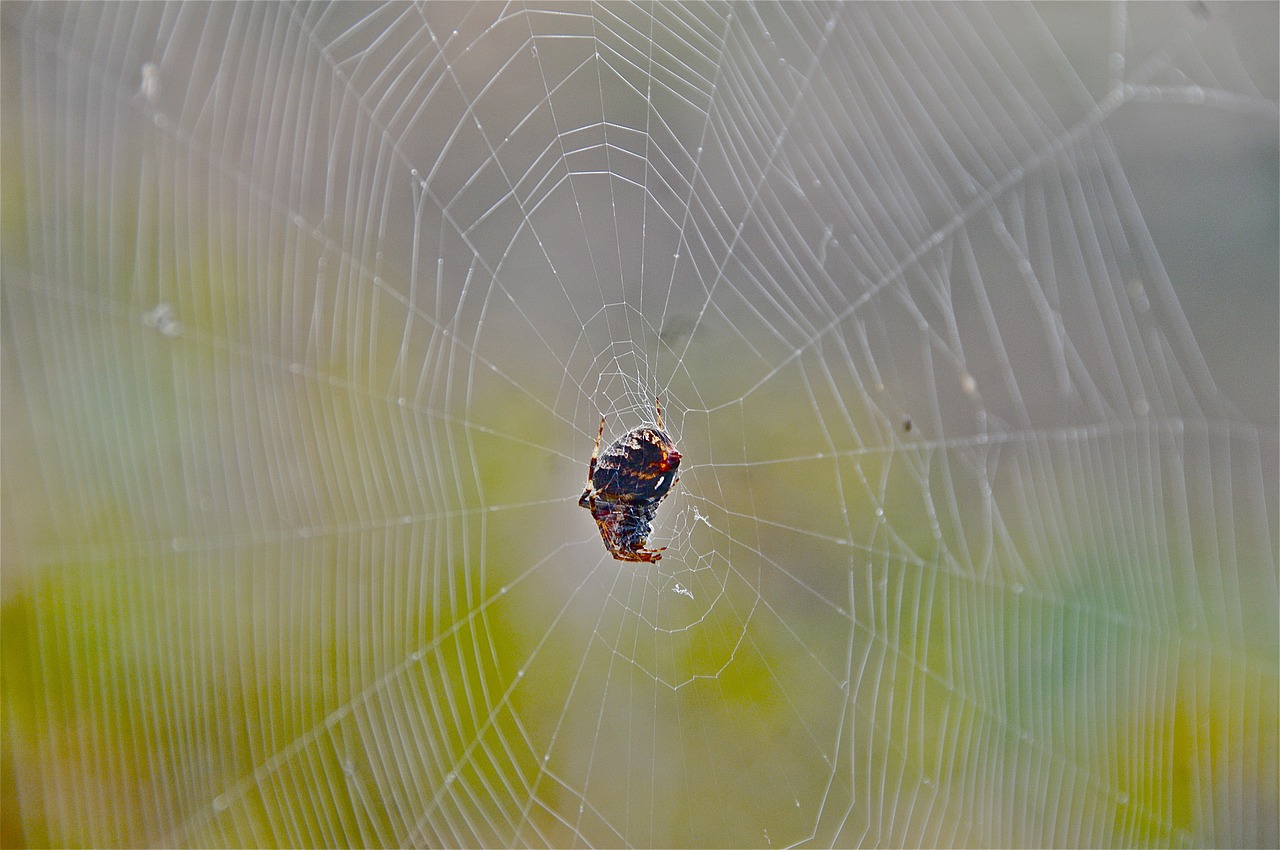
[625,485]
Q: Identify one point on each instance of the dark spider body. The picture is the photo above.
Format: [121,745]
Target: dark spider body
[625,485]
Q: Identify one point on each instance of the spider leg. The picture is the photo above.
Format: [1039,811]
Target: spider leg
[658,403]
[606,533]
[595,453]
[643,554]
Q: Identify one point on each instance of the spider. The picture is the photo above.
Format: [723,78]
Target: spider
[625,486]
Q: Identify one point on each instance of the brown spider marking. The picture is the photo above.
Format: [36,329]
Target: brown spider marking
[625,486]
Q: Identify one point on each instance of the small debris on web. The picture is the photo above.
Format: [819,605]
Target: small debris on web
[163,319]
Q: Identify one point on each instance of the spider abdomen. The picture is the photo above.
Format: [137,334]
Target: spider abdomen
[638,468]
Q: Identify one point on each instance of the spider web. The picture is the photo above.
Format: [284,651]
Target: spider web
[311,312]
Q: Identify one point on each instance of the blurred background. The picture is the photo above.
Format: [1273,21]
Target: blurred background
[964,317]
